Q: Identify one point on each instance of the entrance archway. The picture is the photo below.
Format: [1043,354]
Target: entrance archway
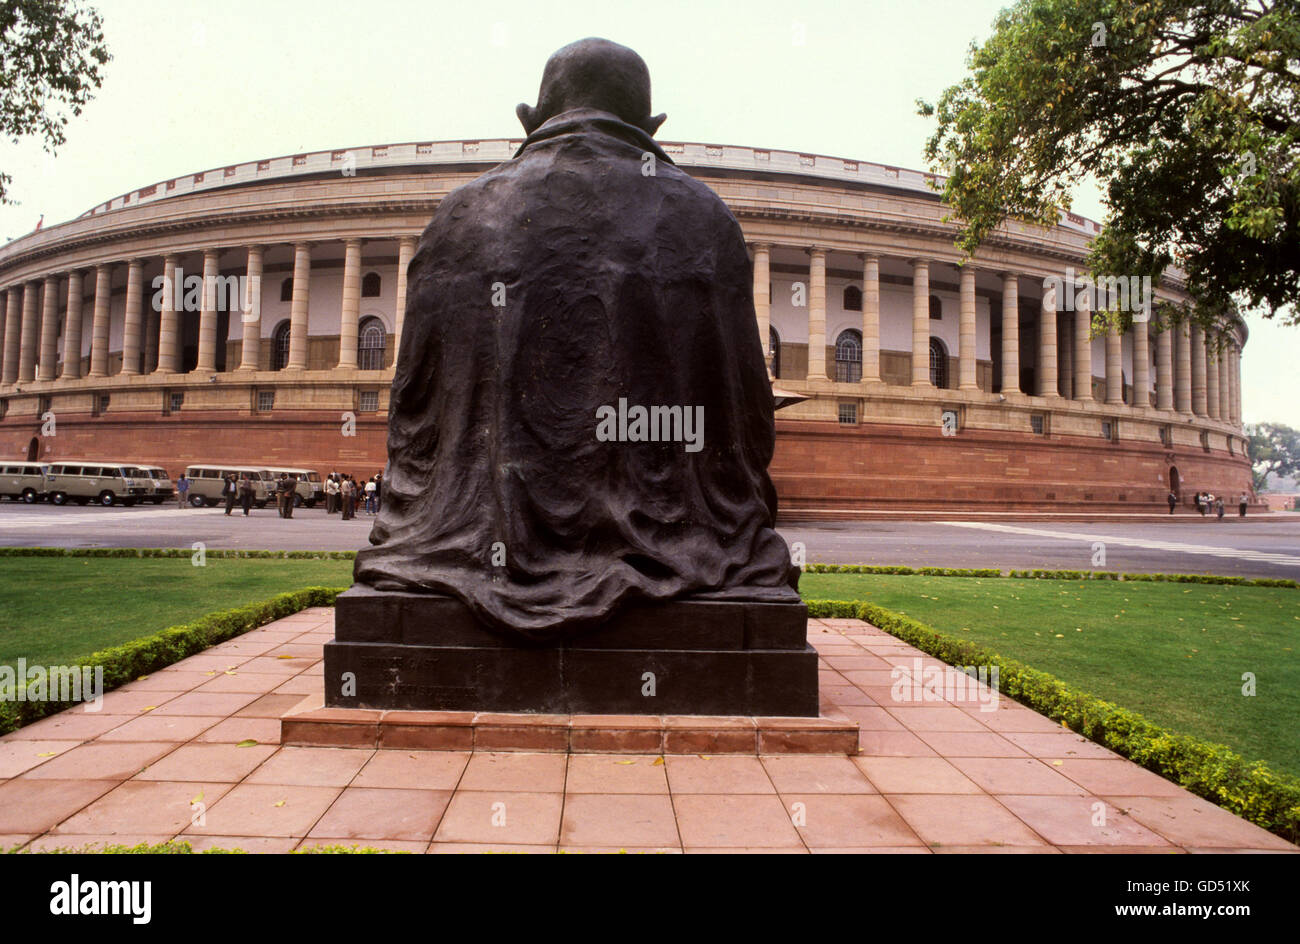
[34,449]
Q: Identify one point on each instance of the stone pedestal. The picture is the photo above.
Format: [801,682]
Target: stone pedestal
[687,657]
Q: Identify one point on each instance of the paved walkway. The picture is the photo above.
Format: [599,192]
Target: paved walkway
[162,760]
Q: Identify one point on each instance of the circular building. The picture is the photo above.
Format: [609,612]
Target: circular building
[250,314]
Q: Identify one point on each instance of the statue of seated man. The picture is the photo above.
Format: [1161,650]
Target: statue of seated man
[581,416]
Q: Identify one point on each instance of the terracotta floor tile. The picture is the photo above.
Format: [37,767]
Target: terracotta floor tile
[250,844]
[953,744]
[145,807]
[234,730]
[489,848]
[1019,775]
[515,771]
[621,850]
[1190,821]
[872,718]
[893,744]
[920,718]
[272,666]
[963,821]
[171,680]
[717,821]
[102,761]
[847,820]
[67,726]
[999,850]
[33,806]
[617,773]
[312,767]
[428,770]
[272,705]
[1080,821]
[846,695]
[914,775]
[741,850]
[1115,777]
[258,809]
[156,727]
[360,812]
[220,763]
[1064,744]
[136,703]
[301,685]
[93,842]
[206,703]
[256,683]
[719,773]
[871,850]
[17,757]
[1012,717]
[606,819]
[815,773]
[502,817]
[383,845]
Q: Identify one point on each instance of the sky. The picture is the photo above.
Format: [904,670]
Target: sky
[194,86]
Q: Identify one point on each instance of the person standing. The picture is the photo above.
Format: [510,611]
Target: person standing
[230,491]
[182,490]
[245,493]
[346,492]
[1241,505]
[1173,501]
[370,496]
[331,495]
[290,493]
[1200,503]
[379,491]
[1218,508]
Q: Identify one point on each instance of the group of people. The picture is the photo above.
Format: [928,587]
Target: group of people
[1206,502]
[343,493]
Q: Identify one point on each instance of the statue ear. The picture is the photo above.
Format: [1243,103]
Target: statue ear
[651,125]
[528,117]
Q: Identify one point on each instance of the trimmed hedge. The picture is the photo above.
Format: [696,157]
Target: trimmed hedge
[1047,574]
[130,660]
[1213,771]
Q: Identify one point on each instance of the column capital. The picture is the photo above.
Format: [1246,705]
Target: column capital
[816,251]
[761,244]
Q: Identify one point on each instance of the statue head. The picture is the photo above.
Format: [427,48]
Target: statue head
[593,73]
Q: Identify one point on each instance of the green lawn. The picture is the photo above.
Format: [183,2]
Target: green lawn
[1172,652]
[57,610]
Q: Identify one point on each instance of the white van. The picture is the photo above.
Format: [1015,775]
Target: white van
[23,481]
[163,490]
[310,488]
[103,481]
[208,483]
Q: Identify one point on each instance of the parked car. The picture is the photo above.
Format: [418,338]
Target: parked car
[23,481]
[97,480]
[310,489]
[163,489]
[207,483]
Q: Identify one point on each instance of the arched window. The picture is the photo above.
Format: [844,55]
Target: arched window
[936,308]
[938,363]
[370,345]
[286,290]
[370,285]
[280,346]
[848,356]
[774,349]
[853,298]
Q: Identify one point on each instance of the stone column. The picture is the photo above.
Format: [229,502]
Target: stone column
[168,322]
[251,317]
[405,252]
[1236,384]
[1165,369]
[72,328]
[966,361]
[1047,376]
[99,327]
[298,308]
[1198,370]
[1225,384]
[1141,365]
[870,318]
[13,334]
[1010,333]
[49,330]
[1211,379]
[1082,347]
[351,304]
[920,323]
[207,361]
[817,314]
[133,323]
[31,318]
[1114,367]
[1183,370]
[1065,355]
[763,295]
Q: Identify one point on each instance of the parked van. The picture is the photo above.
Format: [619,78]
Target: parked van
[163,490]
[310,487]
[207,483]
[23,481]
[97,480]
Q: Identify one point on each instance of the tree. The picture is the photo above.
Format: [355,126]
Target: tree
[1187,112]
[51,52]
[1273,448]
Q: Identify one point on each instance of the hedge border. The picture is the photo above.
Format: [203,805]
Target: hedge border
[1250,789]
[138,657]
[993,572]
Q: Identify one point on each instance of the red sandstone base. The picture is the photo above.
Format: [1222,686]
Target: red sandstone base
[310,725]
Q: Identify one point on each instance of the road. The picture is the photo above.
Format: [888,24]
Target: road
[1260,546]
